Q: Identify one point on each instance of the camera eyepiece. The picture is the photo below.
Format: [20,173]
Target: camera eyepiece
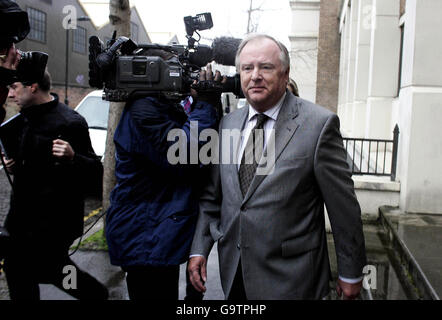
[32,67]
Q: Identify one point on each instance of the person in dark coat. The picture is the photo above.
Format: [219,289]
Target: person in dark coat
[154,205]
[53,167]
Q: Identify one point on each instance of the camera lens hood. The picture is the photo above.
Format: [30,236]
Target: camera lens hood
[31,67]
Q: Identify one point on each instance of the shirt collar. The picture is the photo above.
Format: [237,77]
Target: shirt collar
[35,110]
[272,113]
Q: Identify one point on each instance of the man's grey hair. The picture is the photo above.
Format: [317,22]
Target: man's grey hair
[284,56]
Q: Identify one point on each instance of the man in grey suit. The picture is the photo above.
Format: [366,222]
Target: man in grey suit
[269,224]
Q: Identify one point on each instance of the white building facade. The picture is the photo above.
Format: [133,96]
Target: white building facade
[391,73]
[304,46]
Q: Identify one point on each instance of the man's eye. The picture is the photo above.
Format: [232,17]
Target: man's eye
[247,68]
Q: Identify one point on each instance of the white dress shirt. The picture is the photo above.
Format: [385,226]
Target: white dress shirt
[272,115]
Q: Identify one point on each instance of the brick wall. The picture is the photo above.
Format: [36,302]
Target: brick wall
[329,47]
[75,94]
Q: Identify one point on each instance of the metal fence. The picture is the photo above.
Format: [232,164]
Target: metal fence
[376,157]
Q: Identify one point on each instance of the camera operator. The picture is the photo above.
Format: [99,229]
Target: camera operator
[154,206]
[14,27]
[54,166]
[8,63]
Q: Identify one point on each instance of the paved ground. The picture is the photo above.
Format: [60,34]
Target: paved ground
[422,234]
[97,264]
[388,286]
[5,191]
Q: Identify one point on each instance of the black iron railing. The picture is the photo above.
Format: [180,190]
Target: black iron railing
[376,157]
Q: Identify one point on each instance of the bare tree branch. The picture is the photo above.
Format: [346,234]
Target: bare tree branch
[253,26]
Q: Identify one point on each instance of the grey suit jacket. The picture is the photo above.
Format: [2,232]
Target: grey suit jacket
[277,229]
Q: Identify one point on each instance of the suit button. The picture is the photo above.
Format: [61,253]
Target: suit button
[243,207]
[238,246]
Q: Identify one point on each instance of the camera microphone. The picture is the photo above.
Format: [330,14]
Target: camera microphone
[222,51]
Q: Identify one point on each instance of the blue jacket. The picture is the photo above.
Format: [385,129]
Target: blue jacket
[154,205]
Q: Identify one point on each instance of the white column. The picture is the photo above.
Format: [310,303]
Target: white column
[341,102]
[352,64]
[420,116]
[383,68]
[304,46]
[345,70]
[362,62]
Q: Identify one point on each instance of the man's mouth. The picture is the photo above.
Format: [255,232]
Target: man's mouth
[257,88]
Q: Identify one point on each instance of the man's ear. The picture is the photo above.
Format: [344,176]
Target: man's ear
[287,76]
[34,87]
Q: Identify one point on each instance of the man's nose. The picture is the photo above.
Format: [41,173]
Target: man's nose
[256,74]
[11,94]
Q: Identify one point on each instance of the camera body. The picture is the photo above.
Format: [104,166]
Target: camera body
[126,70]
[14,26]
[150,73]
[31,67]
[139,73]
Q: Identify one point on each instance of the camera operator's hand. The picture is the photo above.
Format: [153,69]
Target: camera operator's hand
[10,58]
[209,88]
[9,164]
[62,149]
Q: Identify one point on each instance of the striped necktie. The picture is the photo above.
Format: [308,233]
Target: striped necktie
[252,154]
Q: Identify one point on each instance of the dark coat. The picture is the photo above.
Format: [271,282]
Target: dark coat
[48,194]
[153,208]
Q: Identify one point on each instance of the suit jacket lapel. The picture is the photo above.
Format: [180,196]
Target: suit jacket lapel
[285,127]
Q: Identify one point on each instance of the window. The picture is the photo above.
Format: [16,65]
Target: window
[37,21]
[79,40]
[134,31]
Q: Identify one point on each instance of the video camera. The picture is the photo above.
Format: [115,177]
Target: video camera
[127,70]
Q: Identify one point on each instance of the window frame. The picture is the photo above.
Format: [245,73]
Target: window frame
[32,17]
[74,43]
